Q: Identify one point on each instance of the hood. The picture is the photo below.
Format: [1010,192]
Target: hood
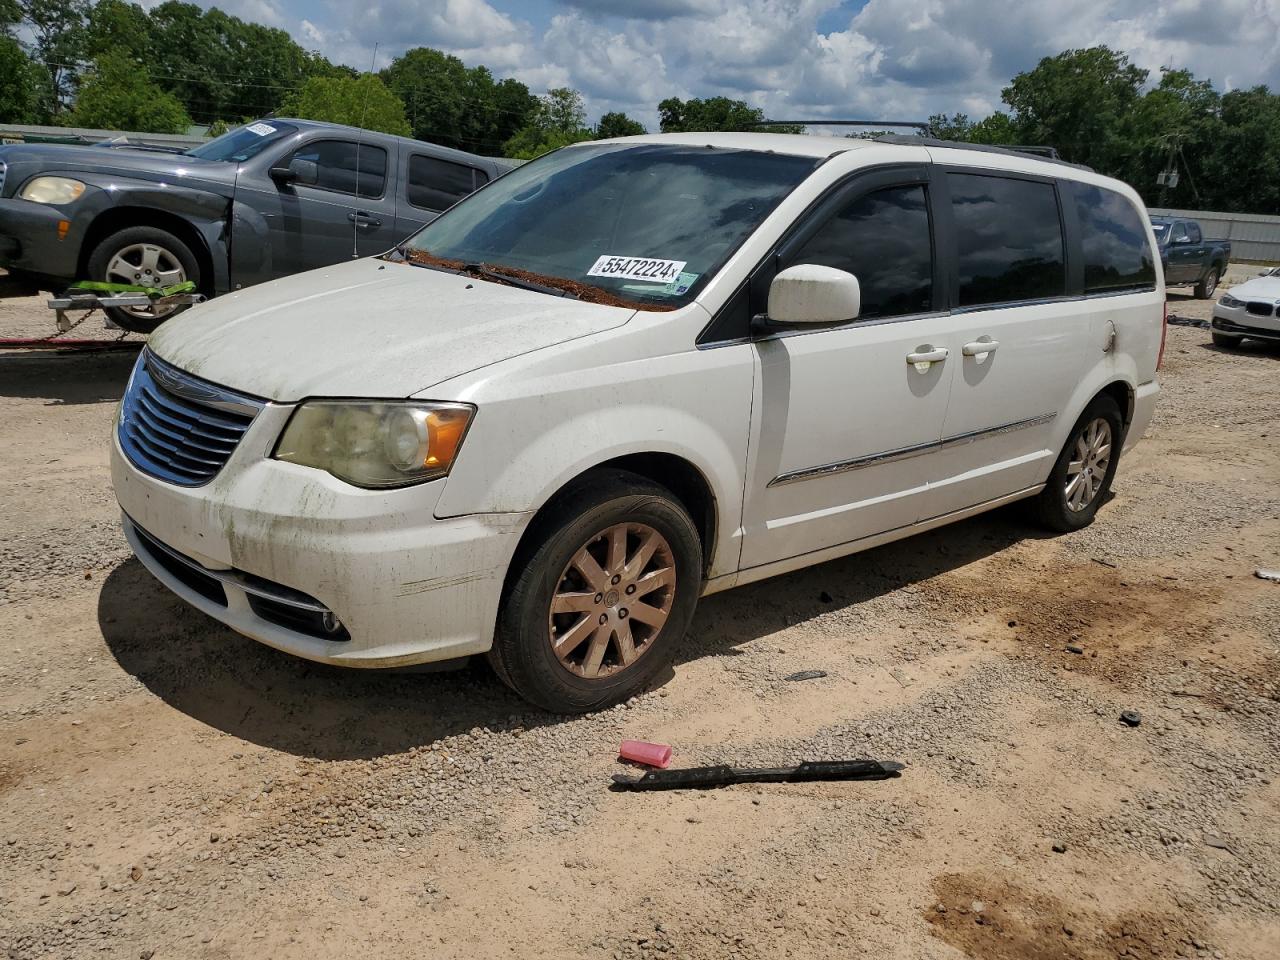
[368,328]
[25,160]
[1259,288]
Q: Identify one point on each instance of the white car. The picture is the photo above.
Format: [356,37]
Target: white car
[630,374]
[1249,309]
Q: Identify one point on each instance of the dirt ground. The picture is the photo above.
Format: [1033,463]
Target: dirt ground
[170,789]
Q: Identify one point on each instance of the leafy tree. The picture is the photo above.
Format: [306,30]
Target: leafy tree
[22,84]
[362,102]
[116,26]
[1243,171]
[59,29]
[451,104]
[533,142]
[118,94]
[559,120]
[562,110]
[1080,101]
[618,125]
[715,113]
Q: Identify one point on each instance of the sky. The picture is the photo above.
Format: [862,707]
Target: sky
[807,59]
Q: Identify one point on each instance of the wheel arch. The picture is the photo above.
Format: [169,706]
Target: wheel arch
[681,477]
[122,217]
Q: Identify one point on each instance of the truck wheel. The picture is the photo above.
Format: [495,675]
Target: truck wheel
[1082,475]
[1208,285]
[147,256]
[601,597]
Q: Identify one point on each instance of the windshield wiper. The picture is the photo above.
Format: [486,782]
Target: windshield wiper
[480,270]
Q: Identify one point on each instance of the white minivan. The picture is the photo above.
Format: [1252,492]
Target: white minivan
[632,373]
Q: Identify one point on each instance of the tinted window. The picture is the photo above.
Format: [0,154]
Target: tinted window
[1193,231]
[1008,239]
[438,184]
[337,160]
[1116,254]
[882,238]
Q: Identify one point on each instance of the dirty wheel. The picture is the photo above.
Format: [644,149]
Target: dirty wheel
[1206,288]
[1083,472]
[598,601]
[146,256]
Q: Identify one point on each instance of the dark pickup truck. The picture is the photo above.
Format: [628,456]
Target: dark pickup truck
[262,201]
[1188,257]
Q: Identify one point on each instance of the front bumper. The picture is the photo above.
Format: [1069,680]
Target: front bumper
[408,588]
[29,239]
[1239,322]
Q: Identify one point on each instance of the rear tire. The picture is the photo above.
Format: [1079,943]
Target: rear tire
[1080,478]
[148,256]
[570,635]
[1224,340]
[1208,285]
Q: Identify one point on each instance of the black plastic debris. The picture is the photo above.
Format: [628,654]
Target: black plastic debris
[1131,718]
[807,675]
[704,778]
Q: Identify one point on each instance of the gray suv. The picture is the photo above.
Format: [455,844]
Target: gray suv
[265,200]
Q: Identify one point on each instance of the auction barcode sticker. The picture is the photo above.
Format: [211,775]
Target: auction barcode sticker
[261,129]
[637,268]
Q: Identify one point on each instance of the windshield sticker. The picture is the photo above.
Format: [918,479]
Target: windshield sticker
[637,268]
[681,284]
[261,129]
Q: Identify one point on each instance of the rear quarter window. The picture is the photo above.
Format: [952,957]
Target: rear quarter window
[1114,240]
[436,184]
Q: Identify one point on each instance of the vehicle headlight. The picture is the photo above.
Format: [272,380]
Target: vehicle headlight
[1227,300]
[52,190]
[372,443]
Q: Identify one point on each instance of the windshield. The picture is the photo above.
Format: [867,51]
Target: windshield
[643,224]
[236,146]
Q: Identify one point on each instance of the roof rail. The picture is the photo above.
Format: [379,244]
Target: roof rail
[874,124]
[1049,154]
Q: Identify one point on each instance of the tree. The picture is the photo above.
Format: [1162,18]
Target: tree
[618,125]
[116,26]
[362,102]
[118,94]
[559,120]
[995,129]
[22,84]
[716,113]
[59,30]
[1080,101]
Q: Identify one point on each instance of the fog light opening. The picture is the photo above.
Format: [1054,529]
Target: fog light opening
[331,624]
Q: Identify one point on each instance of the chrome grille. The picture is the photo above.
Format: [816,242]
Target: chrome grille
[178,427]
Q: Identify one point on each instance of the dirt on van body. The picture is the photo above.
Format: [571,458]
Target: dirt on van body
[171,789]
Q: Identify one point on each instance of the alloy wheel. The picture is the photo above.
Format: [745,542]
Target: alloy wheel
[147,265]
[612,600]
[1088,467]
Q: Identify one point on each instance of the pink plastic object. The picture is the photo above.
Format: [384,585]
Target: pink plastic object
[652,754]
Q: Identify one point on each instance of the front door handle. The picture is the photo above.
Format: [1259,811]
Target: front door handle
[980,348]
[362,219]
[923,358]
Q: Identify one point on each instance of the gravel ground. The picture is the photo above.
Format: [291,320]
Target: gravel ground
[169,789]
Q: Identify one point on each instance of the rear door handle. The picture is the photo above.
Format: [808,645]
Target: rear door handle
[980,348]
[362,219]
[921,359]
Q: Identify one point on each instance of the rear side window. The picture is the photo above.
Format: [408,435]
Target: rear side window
[1008,239]
[1114,240]
[347,167]
[1193,231]
[883,239]
[436,184]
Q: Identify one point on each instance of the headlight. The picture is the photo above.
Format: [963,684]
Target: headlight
[1227,300]
[52,190]
[373,443]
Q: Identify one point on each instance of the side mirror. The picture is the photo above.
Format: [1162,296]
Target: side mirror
[298,171]
[809,293]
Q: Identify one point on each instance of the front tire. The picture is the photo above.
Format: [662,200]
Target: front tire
[146,256]
[1208,285]
[601,595]
[1084,470]
[1224,340]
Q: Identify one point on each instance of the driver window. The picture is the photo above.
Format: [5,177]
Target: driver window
[883,239]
